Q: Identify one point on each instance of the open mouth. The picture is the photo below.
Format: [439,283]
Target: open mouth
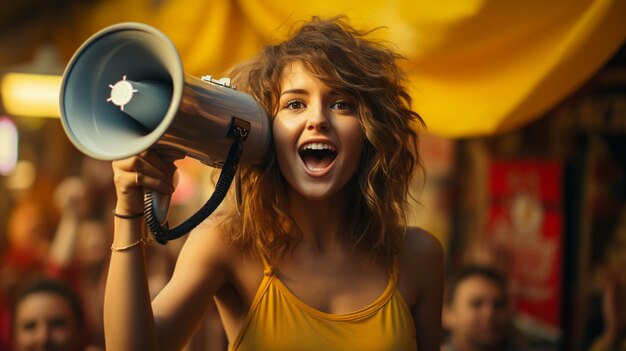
[317,156]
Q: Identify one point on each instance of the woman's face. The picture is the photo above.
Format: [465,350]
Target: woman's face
[317,135]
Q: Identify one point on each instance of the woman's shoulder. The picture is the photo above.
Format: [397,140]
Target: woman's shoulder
[421,262]
[421,249]
[419,243]
[210,242]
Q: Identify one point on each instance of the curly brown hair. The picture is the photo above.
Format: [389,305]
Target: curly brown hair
[366,71]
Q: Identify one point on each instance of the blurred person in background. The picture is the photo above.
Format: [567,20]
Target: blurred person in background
[477,313]
[79,252]
[47,315]
[56,230]
[612,293]
[58,234]
[28,237]
[613,336]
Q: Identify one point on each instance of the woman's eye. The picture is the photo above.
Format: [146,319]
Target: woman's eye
[294,104]
[342,105]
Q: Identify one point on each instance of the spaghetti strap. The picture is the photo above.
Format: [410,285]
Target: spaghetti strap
[394,267]
[268,269]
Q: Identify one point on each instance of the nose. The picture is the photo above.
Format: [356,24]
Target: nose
[43,335]
[318,118]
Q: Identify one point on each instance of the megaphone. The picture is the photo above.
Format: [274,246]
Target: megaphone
[125,91]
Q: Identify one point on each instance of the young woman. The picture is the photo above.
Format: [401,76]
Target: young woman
[317,255]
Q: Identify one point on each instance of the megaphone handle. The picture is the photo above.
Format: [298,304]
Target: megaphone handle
[162,233]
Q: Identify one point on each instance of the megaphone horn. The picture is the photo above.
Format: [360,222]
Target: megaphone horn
[125,91]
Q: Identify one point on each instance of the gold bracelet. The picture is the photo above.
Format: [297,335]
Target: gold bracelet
[127,216]
[123,248]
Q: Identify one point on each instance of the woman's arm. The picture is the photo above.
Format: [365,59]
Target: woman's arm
[202,267]
[427,273]
[131,321]
[128,319]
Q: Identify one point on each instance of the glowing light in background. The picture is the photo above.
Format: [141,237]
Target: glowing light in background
[23,176]
[8,145]
[31,95]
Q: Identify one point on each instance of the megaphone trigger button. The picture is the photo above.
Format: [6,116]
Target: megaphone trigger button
[225,82]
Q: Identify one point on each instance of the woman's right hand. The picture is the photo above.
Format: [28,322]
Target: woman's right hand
[135,175]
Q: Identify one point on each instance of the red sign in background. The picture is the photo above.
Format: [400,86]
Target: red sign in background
[525,221]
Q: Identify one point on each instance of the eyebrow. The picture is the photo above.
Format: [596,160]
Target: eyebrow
[294,91]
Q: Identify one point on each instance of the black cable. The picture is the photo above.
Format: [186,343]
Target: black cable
[163,234]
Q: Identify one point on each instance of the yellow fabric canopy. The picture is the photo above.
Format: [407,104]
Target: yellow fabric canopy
[477,67]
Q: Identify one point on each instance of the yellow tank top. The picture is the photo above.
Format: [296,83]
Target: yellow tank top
[278,320]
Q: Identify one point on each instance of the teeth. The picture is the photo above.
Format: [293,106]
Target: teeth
[318,146]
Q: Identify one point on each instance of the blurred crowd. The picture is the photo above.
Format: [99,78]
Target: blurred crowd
[54,257]
[55,253]
[56,240]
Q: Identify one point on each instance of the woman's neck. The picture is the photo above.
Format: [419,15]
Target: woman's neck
[323,223]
